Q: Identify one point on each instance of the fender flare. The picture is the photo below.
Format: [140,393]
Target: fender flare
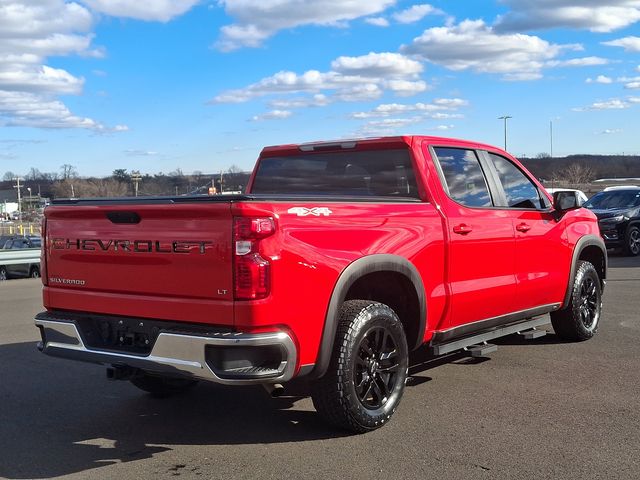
[353,272]
[581,244]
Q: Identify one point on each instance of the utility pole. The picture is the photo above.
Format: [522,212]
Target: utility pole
[551,136]
[505,118]
[220,181]
[136,178]
[17,186]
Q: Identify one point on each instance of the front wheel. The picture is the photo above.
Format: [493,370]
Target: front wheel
[3,273]
[34,272]
[632,241]
[579,320]
[368,369]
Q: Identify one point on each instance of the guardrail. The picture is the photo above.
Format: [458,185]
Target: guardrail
[17,257]
[20,229]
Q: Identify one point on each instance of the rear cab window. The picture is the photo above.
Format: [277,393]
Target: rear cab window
[375,173]
[463,177]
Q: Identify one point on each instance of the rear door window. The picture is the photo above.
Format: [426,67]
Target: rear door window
[381,173]
[463,176]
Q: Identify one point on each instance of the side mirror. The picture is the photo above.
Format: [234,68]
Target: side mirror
[565,200]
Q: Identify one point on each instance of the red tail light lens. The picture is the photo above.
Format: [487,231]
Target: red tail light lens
[43,252]
[252,272]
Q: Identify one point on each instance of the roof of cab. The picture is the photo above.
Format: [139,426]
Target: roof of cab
[369,143]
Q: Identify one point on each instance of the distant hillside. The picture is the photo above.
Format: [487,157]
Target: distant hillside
[586,167]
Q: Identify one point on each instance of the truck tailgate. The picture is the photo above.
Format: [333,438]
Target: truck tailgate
[169,261]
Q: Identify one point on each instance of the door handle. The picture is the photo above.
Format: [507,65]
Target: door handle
[523,227]
[462,229]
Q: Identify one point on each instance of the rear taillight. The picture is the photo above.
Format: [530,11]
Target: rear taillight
[252,272]
[43,251]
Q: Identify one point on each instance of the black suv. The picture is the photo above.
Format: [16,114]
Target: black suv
[618,212]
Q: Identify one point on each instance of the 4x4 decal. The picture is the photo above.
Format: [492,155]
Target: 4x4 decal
[305,212]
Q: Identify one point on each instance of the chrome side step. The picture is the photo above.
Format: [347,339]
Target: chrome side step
[461,343]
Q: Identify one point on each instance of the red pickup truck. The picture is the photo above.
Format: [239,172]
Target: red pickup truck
[340,259]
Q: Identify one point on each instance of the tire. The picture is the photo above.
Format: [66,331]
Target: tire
[579,320]
[3,273]
[368,369]
[162,387]
[632,241]
[34,272]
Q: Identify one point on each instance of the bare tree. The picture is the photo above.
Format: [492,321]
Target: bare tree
[575,173]
[8,176]
[68,171]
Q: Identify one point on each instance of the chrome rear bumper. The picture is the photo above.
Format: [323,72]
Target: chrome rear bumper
[176,354]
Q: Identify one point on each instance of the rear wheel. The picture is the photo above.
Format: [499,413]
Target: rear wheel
[34,272]
[579,320]
[159,386]
[632,241]
[3,273]
[368,369]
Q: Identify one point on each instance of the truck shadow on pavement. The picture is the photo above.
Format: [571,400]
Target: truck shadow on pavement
[59,417]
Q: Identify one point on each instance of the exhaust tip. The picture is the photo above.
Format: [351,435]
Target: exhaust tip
[274,389]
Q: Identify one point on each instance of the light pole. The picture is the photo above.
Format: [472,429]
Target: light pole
[551,137]
[505,118]
[29,190]
[17,186]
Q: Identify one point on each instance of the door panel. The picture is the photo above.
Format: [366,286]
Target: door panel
[481,261]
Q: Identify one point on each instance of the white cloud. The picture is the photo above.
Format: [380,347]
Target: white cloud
[257,20]
[610,131]
[603,79]
[350,79]
[387,126]
[377,64]
[23,109]
[426,110]
[472,45]
[140,153]
[30,32]
[272,115]
[415,13]
[156,10]
[443,127]
[578,62]
[594,15]
[406,88]
[630,44]
[377,21]
[611,104]
[318,100]
[632,85]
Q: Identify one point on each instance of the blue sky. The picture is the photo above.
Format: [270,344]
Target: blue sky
[203,85]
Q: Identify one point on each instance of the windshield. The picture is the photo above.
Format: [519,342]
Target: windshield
[614,200]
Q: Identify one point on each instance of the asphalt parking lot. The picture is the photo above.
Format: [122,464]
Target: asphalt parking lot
[535,409]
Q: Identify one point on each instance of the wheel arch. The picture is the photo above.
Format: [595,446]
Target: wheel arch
[592,249]
[385,274]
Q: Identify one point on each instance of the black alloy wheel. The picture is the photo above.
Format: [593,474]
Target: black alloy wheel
[589,302]
[3,273]
[376,368]
[633,241]
[368,369]
[580,318]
